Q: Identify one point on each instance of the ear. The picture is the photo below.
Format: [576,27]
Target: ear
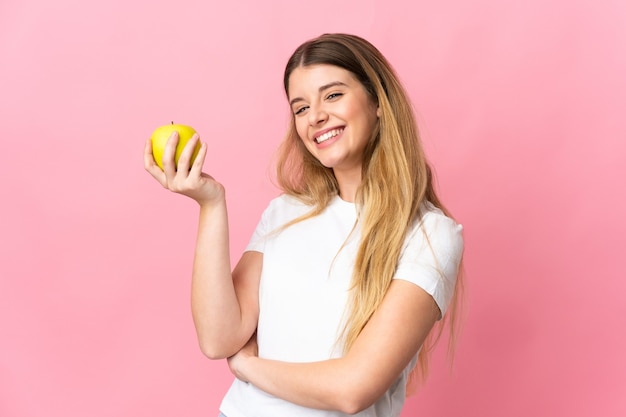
[378,111]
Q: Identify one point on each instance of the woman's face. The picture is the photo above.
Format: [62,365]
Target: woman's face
[334,115]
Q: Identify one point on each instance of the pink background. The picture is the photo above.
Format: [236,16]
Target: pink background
[522,108]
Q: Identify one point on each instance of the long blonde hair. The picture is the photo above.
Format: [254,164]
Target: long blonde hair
[396,177]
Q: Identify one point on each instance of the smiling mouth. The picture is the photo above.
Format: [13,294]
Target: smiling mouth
[327,135]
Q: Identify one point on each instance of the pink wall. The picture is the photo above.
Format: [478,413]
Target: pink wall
[521,106]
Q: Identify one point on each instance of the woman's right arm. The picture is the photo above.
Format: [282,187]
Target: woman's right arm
[225,305]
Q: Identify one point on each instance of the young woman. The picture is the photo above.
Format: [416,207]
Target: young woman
[349,269]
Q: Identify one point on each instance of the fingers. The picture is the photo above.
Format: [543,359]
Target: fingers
[184,161]
[169,153]
[198,163]
[148,159]
[150,164]
[186,178]
[195,170]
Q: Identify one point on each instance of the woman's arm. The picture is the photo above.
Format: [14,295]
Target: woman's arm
[354,382]
[224,305]
[225,310]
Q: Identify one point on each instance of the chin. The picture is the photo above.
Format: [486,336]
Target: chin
[329,163]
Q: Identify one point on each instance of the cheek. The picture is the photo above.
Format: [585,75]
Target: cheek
[301,129]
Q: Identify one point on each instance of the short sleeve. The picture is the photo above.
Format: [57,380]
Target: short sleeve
[257,241]
[279,211]
[432,255]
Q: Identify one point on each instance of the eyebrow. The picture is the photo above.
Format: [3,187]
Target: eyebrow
[322,88]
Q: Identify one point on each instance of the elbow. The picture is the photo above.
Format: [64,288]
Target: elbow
[214,350]
[350,408]
[353,406]
[353,401]
[212,354]
[219,344]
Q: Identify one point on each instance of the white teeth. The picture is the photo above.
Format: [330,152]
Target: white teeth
[328,135]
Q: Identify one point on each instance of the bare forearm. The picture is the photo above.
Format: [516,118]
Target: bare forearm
[355,381]
[215,307]
[326,385]
[222,325]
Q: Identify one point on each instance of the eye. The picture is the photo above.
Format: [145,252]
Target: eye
[300,110]
[333,96]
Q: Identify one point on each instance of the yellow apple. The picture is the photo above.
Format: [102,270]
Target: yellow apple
[162,133]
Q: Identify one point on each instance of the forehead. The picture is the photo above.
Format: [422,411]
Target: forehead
[310,78]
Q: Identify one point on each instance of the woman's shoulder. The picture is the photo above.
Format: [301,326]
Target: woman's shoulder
[429,213]
[285,206]
[435,224]
[286,201]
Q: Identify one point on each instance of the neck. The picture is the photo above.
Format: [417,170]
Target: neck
[349,183]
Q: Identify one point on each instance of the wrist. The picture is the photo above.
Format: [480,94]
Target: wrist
[243,369]
[240,365]
[212,204]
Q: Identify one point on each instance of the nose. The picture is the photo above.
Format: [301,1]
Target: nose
[317,116]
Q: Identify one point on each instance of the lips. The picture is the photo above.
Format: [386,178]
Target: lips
[327,135]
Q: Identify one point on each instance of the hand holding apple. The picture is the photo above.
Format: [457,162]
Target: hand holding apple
[191,182]
[161,135]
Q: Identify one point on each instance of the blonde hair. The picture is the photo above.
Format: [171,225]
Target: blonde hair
[396,178]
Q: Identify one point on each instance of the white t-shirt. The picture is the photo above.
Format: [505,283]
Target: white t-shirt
[303,292]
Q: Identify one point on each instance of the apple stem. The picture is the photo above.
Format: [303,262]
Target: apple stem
[172,122]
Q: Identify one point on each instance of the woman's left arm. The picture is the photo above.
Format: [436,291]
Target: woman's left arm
[355,381]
